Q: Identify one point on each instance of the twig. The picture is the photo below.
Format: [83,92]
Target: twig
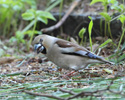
[66,91]
[85,94]
[74,4]
[44,95]
[20,73]
[117,17]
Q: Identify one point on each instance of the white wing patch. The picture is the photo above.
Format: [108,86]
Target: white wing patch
[81,52]
[67,50]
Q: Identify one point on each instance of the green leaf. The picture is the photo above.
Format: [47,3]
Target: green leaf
[113,2]
[28,16]
[49,15]
[122,18]
[106,16]
[13,39]
[105,43]
[90,26]
[81,33]
[122,57]
[43,19]
[123,46]
[30,32]
[96,1]
[45,14]
[19,37]
[90,31]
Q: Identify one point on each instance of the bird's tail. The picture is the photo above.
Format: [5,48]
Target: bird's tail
[109,62]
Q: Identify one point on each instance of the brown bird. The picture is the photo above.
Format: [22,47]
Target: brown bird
[66,54]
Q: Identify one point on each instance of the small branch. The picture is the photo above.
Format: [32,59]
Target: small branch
[25,73]
[85,94]
[74,4]
[67,91]
[43,95]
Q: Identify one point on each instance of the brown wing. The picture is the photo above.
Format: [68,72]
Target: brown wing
[64,44]
[74,49]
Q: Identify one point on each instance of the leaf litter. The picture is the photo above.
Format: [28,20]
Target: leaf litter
[32,72]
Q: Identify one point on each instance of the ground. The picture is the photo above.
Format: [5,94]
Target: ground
[28,71]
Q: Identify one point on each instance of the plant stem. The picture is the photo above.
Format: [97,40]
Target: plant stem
[90,40]
[31,38]
[105,27]
[60,11]
[121,37]
[116,17]
[85,41]
[53,5]
[101,25]
[109,30]
[81,43]
[105,10]
[28,26]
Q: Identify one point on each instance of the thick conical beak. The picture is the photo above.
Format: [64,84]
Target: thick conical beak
[38,48]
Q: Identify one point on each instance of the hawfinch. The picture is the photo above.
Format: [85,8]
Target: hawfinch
[65,54]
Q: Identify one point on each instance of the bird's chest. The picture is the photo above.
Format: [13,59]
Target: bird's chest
[53,55]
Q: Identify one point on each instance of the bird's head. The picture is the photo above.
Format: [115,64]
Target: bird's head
[42,43]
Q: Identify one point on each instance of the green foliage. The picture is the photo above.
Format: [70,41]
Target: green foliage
[30,33]
[52,3]
[105,14]
[105,43]
[104,3]
[118,57]
[10,12]
[107,21]
[81,34]
[121,58]
[118,8]
[90,31]
[122,19]
[34,16]
[38,15]
[19,38]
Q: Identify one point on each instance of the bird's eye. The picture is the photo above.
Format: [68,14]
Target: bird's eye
[41,40]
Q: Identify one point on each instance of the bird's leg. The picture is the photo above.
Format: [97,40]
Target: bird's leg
[72,73]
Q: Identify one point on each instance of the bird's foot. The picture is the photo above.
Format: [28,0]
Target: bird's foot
[68,75]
